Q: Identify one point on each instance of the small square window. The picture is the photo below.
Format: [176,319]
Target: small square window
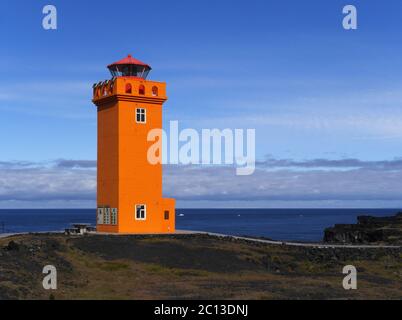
[166,215]
[141,115]
[140,212]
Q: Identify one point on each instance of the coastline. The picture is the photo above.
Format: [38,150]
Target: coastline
[282,225]
[319,245]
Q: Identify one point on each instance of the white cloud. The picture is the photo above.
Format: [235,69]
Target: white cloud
[66,183]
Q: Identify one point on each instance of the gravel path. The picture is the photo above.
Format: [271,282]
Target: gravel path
[273,242]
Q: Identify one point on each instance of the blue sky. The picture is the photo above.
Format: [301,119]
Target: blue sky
[312,90]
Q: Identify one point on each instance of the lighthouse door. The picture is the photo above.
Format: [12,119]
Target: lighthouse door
[100,215]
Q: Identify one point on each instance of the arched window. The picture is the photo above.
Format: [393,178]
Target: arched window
[155,91]
[129,88]
[141,90]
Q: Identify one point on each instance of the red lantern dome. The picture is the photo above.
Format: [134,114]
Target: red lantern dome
[129,67]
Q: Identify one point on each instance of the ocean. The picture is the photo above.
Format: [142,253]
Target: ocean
[305,225]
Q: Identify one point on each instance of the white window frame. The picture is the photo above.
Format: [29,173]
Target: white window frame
[141,111]
[145,212]
[113,217]
[106,216]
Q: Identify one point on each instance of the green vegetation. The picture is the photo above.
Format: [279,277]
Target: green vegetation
[191,267]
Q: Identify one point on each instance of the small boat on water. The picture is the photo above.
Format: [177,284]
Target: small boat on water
[181,215]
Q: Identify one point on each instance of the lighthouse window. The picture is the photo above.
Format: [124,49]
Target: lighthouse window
[155,91]
[114,216]
[141,90]
[140,212]
[128,88]
[141,115]
[106,216]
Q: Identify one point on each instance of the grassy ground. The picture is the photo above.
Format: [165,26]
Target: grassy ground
[190,267]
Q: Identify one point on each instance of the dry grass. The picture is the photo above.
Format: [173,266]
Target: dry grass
[104,268]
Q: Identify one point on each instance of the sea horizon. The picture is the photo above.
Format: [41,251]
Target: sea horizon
[229,208]
[293,224]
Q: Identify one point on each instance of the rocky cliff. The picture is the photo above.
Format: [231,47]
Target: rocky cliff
[387,230]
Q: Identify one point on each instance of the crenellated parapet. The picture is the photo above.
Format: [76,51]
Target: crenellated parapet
[130,89]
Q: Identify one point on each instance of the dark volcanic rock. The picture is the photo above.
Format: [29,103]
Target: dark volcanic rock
[175,253]
[367,230]
[12,246]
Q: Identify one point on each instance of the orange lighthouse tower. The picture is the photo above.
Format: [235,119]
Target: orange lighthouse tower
[129,190]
